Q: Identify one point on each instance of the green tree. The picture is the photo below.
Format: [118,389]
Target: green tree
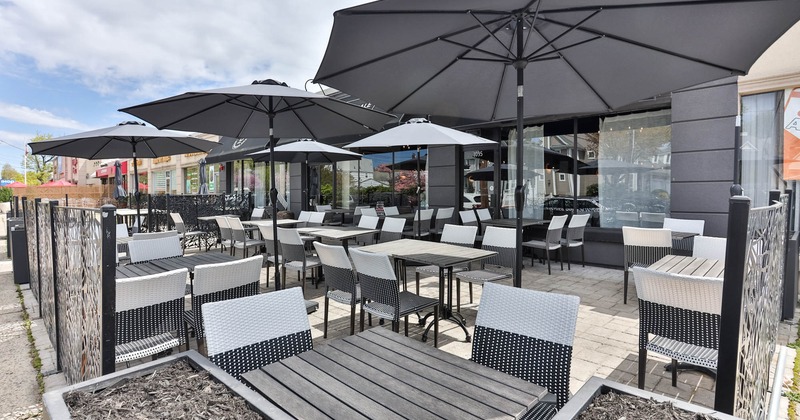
[9,172]
[39,167]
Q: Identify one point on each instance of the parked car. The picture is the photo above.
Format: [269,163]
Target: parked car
[471,201]
[564,205]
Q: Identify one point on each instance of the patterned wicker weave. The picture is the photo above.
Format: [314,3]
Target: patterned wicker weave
[149,309]
[340,281]
[294,254]
[455,235]
[574,238]
[552,241]
[247,333]
[643,247]
[527,334]
[502,241]
[392,229]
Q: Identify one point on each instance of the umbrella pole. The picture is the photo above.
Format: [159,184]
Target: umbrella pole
[273,197]
[519,192]
[136,193]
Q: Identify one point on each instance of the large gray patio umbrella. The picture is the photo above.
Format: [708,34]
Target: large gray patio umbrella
[416,133]
[305,151]
[119,190]
[513,59]
[263,107]
[129,139]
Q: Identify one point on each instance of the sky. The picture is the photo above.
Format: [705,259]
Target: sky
[67,66]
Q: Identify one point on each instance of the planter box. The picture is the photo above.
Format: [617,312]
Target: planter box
[596,386]
[56,408]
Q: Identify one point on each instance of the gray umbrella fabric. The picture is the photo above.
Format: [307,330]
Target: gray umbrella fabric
[203,178]
[119,190]
[263,107]
[471,58]
[128,139]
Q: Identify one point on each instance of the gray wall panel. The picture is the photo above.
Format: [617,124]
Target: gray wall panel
[703,166]
[296,180]
[700,197]
[712,134]
[721,101]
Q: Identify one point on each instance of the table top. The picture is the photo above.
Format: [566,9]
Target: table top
[428,252]
[382,374]
[690,266]
[210,218]
[682,235]
[130,212]
[268,222]
[336,232]
[512,223]
[169,264]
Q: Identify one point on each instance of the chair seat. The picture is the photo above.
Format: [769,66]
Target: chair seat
[481,276]
[311,262]
[541,245]
[684,352]
[571,244]
[271,259]
[191,233]
[433,270]
[344,297]
[145,347]
[409,304]
[248,244]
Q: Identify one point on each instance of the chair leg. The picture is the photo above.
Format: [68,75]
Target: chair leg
[674,372]
[569,267]
[642,366]
[325,319]
[583,255]
[547,253]
[352,319]
[268,274]
[186,333]
[625,287]
[436,326]
[362,317]
[417,283]
[470,293]
[561,258]
[406,325]
[458,295]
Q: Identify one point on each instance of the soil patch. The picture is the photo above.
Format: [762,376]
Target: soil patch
[174,391]
[622,406]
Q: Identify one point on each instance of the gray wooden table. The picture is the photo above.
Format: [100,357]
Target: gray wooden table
[379,374]
[444,256]
[340,233]
[690,266]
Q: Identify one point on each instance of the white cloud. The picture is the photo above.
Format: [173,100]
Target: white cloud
[24,114]
[16,140]
[153,49]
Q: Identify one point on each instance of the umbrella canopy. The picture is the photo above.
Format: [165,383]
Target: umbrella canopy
[124,140]
[487,173]
[470,58]
[119,190]
[15,184]
[59,183]
[203,190]
[305,151]
[412,164]
[263,107]
[416,133]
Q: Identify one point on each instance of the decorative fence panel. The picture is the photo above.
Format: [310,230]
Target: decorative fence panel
[192,206]
[31,231]
[751,307]
[46,297]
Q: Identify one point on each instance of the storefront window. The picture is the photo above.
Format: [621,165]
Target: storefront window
[762,129]
[191,180]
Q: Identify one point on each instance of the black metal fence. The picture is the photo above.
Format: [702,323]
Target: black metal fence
[191,207]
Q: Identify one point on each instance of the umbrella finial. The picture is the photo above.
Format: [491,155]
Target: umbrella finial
[269,82]
[131,123]
[417,121]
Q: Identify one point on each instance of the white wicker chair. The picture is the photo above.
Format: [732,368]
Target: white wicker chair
[678,317]
[551,242]
[149,314]
[369,211]
[367,222]
[225,236]
[381,296]
[294,254]
[138,236]
[302,218]
[122,230]
[186,236]
[240,238]
[316,218]
[423,220]
[122,249]
[154,249]
[391,211]
[574,238]
[443,216]
[643,247]
[341,283]
[709,247]
[215,282]
[528,334]
[323,207]
[498,267]
[269,249]
[468,218]
[684,225]
[483,214]
[246,333]
[454,235]
[392,229]
[357,214]
[257,213]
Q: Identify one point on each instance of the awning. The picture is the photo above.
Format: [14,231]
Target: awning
[108,171]
[231,149]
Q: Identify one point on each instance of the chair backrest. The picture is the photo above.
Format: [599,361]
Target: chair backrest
[224,228]
[504,242]
[323,207]
[643,246]
[358,210]
[459,235]
[339,274]
[484,214]
[392,229]
[177,220]
[468,218]
[303,216]
[377,279]
[138,236]
[391,211]
[685,225]
[369,211]
[258,213]
[216,282]
[576,227]
[246,333]
[651,220]
[444,215]
[149,306]
[555,228]
[269,240]
[154,249]
[292,246]
[122,230]
[369,222]
[316,218]
[709,247]
[527,334]
[237,230]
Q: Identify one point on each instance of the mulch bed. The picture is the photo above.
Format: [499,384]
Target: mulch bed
[622,406]
[175,391]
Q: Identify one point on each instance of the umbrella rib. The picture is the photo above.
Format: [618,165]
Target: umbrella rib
[558,50]
[320,104]
[676,3]
[570,29]
[43,151]
[491,33]
[480,50]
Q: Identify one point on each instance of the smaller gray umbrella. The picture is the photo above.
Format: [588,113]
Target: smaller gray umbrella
[203,179]
[119,190]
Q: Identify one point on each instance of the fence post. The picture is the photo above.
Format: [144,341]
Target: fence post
[54,235]
[109,252]
[36,202]
[730,317]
